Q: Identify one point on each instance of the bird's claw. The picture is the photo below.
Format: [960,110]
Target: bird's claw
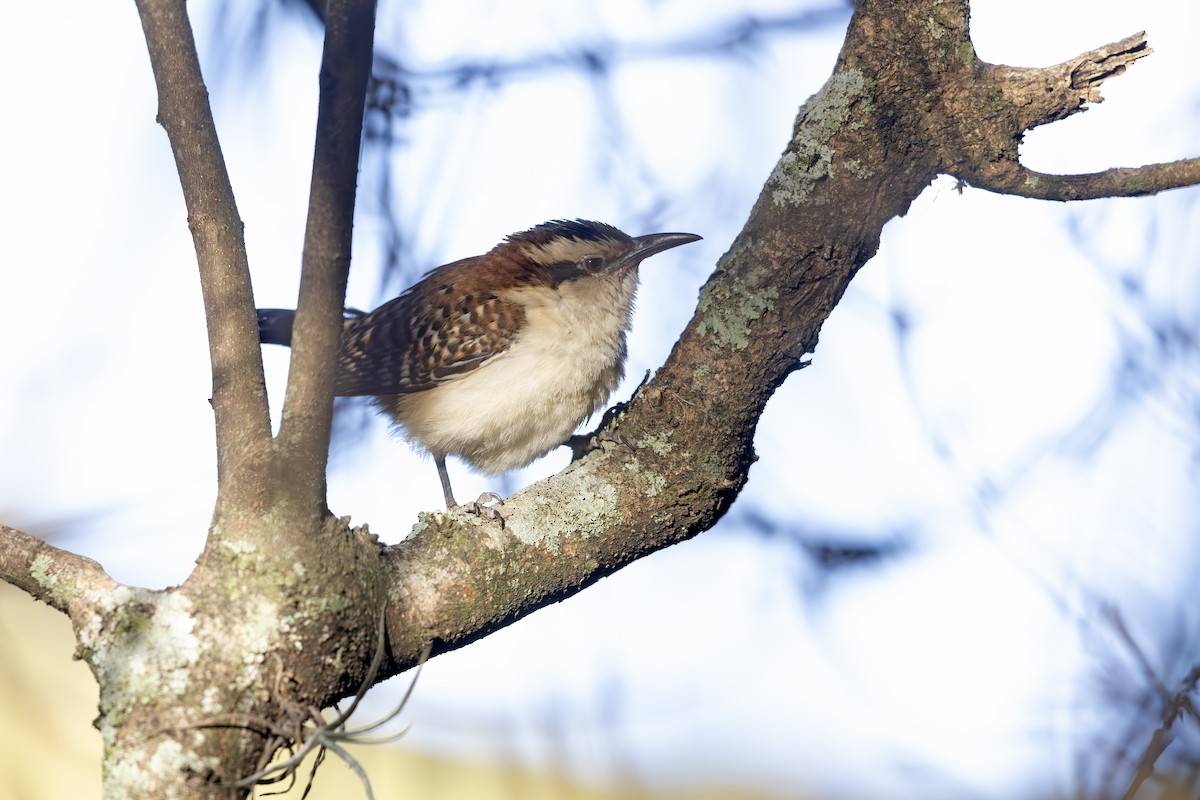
[482,507]
[582,444]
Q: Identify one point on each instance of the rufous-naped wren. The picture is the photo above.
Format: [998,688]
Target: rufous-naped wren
[498,358]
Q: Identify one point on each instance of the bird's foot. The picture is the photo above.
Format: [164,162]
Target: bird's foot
[583,443]
[482,507]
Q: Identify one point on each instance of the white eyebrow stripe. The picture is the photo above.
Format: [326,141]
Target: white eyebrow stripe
[562,250]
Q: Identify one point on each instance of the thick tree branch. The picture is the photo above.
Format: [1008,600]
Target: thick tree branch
[239,396]
[308,405]
[457,578]
[56,577]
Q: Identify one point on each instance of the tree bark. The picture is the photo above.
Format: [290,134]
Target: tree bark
[200,683]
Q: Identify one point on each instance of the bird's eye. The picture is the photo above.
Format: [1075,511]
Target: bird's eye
[592,264]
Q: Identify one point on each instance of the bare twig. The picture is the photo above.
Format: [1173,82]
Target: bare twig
[1155,700]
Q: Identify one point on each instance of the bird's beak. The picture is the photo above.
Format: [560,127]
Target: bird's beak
[653,243]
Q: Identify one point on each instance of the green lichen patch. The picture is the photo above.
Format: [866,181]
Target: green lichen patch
[729,308]
[62,590]
[810,156]
[653,483]
[142,645]
[659,443]
[593,503]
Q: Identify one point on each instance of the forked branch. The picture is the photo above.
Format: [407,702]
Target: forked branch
[988,158]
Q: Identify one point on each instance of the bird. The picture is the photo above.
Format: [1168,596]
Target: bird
[497,358]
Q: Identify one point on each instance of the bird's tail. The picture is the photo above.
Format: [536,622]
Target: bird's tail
[275,325]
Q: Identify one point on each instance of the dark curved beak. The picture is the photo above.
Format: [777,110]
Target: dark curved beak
[654,243]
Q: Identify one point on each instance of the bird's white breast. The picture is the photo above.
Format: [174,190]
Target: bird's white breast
[564,363]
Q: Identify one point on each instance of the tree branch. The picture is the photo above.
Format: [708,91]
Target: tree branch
[308,405]
[456,578]
[1016,179]
[1033,96]
[984,149]
[59,578]
[239,396]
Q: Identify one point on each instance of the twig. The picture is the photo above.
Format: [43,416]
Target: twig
[1014,178]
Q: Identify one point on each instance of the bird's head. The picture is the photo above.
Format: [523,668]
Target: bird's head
[562,251]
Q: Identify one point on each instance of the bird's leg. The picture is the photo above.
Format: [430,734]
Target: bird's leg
[440,461]
[480,507]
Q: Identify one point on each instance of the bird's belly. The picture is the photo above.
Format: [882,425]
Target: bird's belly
[517,407]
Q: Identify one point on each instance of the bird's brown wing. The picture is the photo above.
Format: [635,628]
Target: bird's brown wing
[433,332]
